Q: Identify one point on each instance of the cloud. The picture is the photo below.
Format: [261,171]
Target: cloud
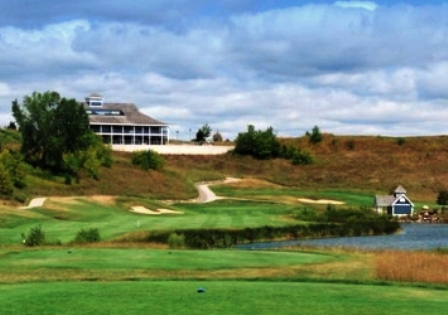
[367,5]
[349,67]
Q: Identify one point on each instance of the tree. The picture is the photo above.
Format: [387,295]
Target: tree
[442,198]
[6,185]
[148,160]
[316,135]
[203,133]
[52,129]
[12,126]
[217,137]
[259,144]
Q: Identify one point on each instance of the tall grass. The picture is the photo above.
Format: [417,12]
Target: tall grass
[412,266]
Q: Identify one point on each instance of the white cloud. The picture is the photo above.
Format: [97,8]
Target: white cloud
[349,67]
[367,5]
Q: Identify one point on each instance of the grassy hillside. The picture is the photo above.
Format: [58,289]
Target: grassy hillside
[365,164]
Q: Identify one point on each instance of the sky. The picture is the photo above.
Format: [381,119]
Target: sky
[349,67]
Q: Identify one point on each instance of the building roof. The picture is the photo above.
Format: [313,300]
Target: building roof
[400,190]
[95,95]
[384,200]
[130,115]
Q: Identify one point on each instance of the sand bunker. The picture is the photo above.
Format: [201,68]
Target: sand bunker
[144,210]
[321,201]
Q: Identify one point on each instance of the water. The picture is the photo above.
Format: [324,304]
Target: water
[413,237]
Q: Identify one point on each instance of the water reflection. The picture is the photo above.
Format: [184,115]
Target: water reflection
[413,237]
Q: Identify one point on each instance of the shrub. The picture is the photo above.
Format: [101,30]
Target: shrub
[401,141]
[302,158]
[442,197]
[6,185]
[350,144]
[35,237]
[87,236]
[176,240]
[316,135]
[148,160]
[257,143]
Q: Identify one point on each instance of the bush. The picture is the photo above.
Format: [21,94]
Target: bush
[401,141]
[148,160]
[35,237]
[226,238]
[87,236]
[6,185]
[316,135]
[442,197]
[302,158]
[350,144]
[176,240]
[259,144]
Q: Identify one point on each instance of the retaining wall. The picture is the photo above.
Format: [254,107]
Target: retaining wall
[175,149]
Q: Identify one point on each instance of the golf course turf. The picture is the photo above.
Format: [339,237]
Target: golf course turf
[220,297]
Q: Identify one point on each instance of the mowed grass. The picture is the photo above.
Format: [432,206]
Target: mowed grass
[228,297]
[108,264]
[61,219]
[260,190]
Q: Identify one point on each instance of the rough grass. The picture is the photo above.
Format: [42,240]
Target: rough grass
[412,266]
[367,165]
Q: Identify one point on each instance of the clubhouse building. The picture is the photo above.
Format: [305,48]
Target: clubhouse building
[123,123]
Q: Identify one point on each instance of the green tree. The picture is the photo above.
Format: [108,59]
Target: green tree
[442,197]
[257,143]
[35,237]
[13,165]
[6,185]
[316,135]
[148,160]
[203,133]
[217,137]
[54,130]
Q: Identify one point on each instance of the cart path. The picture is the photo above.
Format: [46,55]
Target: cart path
[205,194]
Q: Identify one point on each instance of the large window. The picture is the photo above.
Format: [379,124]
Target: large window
[156,130]
[117,129]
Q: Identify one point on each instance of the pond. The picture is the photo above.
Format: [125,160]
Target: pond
[412,237]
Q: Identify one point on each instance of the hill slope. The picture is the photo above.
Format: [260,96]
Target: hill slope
[376,164]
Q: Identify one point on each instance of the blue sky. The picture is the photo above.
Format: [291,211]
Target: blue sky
[350,67]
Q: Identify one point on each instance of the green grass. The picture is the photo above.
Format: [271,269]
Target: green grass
[350,197]
[119,259]
[61,221]
[174,297]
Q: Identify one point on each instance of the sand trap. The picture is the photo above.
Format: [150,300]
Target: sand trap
[163,211]
[321,201]
[144,210]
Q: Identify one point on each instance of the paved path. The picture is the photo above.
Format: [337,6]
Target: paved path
[205,194]
[35,203]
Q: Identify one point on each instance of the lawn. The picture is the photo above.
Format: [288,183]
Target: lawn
[61,220]
[111,278]
[221,297]
[106,264]
[282,193]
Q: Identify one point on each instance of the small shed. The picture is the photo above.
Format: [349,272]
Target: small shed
[397,204]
